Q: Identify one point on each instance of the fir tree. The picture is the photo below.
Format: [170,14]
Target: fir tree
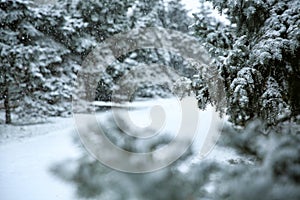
[33,80]
[272,168]
[146,14]
[263,38]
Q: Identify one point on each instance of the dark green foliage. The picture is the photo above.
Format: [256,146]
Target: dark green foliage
[104,89]
[104,18]
[36,79]
[149,14]
[273,172]
[257,56]
[93,180]
[268,167]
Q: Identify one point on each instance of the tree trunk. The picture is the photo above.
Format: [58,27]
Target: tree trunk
[7,105]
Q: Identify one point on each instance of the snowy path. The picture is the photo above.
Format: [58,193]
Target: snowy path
[25,157]
[24,167]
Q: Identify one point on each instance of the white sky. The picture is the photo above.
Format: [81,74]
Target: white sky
[191,5]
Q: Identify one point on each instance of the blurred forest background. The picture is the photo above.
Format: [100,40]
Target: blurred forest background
[255,47]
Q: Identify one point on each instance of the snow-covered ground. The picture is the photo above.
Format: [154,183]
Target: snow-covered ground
[28,152]
[26,156]
[13,133]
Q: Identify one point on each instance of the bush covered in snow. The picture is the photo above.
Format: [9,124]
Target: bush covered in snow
[268,168]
